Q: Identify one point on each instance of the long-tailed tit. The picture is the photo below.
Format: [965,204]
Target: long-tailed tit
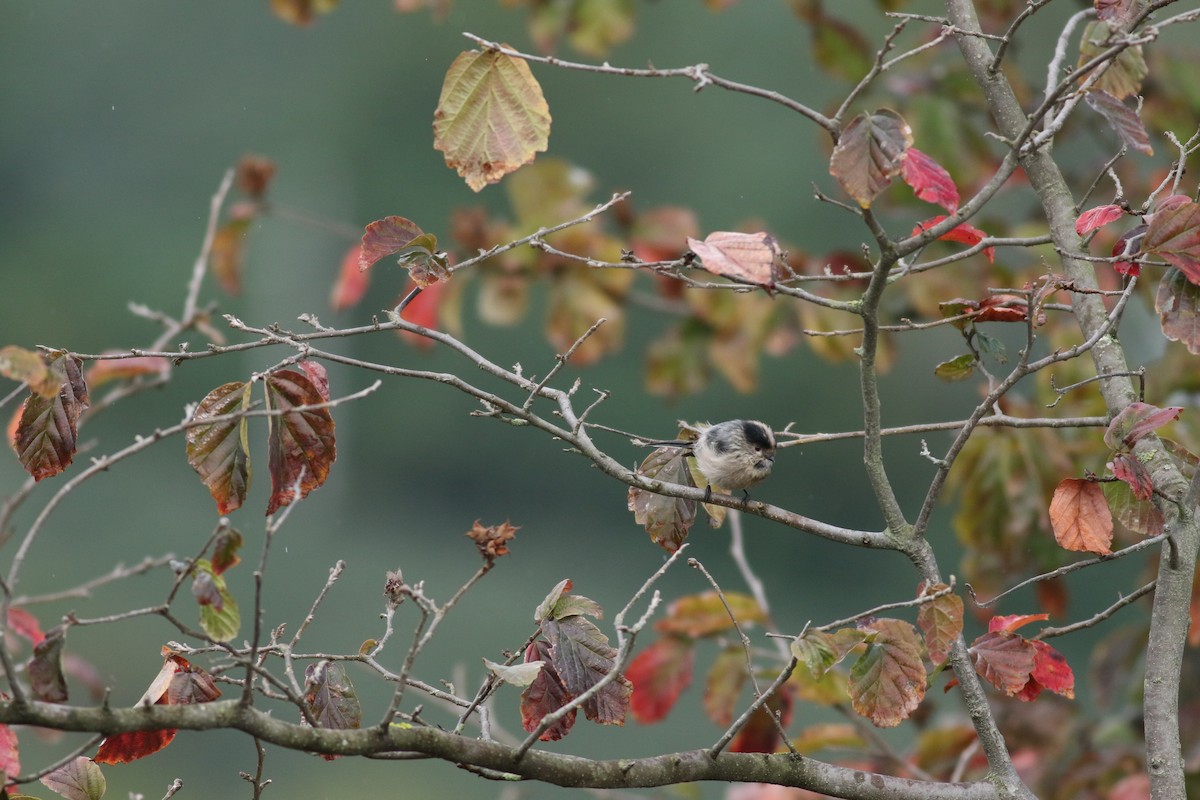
[735,454]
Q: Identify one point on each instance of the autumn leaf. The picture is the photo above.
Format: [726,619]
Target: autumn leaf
[1123,75]
[963,234]
[1178,305]
[219,614]
[329,696]
[1139,516]
[666,519]
[825,735]
[821,651]
[940,621]
[956,369]
[229,248]
[254,174]
[112,369]
[545,695]
[78,779]
[48,428]
[301,441]
[1174,234]
[888,680]
[220,451]
[1122,119]
[1080,517]
[582,656]
[929,180]
[352,282]
[725,680]
[1136,421]
[29,367]
[869,152]
[1013,622]
[491,117]
[760,734]
[1119,12]
[748,257]
[1003,659]
[45,668]
[225,548]
[659,674]
[1127,247]
[1097,217]
[422,310]
[515,674]
[699,615]
[1050,671]
[10,760]
[301,12]
[1128,468]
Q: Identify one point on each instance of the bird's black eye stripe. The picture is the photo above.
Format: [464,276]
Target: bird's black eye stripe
[757,435]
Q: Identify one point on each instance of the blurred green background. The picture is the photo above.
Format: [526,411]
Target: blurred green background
[116,124]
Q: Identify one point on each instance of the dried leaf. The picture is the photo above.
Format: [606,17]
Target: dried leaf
[659,674]
[491,117]
[220,451]
[888,680]
[48,428]
[29,367]
[1122,119]
[78,779]
[929,180]
[301,444]
[869,152]
[516,674]
[666,519]
[329,696]
[1080,517]
[748,257]
[45,667]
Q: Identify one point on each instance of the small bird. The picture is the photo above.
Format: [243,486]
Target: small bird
[735,454]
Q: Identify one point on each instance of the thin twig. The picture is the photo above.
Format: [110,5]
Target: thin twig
[1047,633]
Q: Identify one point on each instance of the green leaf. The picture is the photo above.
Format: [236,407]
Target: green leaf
[491,117]
[219,615]
[821,651]
[219,451]
[78,779]
[1123,75]
[956,369]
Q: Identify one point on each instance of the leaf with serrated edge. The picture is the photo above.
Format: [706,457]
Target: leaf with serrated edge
[219,451]
[301,441]
[48,429]
[78,779]
[582,656]
[704,614]
[1178,305]
[491,117]
[1080,517]
[666,519]
[888,681]
[941,622]
[545,695]
[329,696]
[869,152]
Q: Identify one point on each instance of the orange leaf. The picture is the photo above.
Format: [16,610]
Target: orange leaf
[1080,517]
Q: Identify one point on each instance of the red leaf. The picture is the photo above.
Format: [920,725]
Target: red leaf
[1097,217]
[423,311]
[941,622]
[1178,305]
[1129,245]
[748,257]
[1004,660]
[1127,467]
[25,624]
[1136,421]
[112,369]
[544,696]
[1010,623]
[385,237]
[225,551]
[125,747]
[351,283]
[301,442]
[1174,234]
[760,733]
[581,656]
[10,761]
[1080,517]
[316,373]
[659,674]
[930,180]
[964,234]
[1051,671]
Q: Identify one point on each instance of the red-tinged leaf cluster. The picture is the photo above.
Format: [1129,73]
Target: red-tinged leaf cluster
[745,257]
[177,683]
[869,152]
[576,656]
[1135,422]
[1020,667]
[962,233]
[330,698]
[25,625]
[492,540]
[47,430]
[1080,517]
[300,443]
[929,180]
[10,757]
[491,117]
[704,614]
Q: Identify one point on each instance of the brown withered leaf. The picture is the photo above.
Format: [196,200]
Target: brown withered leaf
[748,257]
[869,152]
[301,441]
[940,621]
[47,430]
[1081,517]
[254,175]
[330,697]
[492,540]
[491,117]
[666,519]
